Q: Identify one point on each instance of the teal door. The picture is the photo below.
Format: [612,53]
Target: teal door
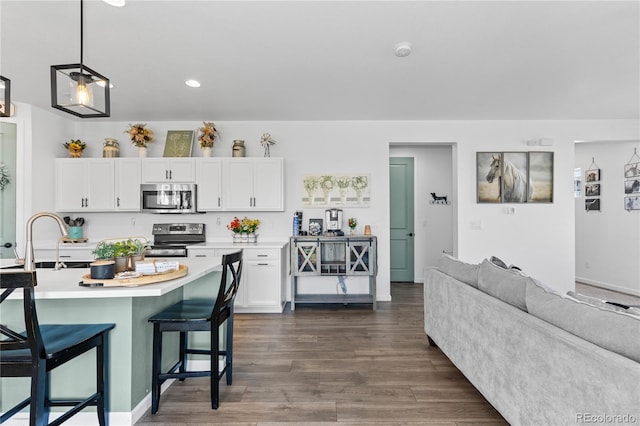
[401,215]
[7,190]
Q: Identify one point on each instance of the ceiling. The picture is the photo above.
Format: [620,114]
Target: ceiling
[334,60]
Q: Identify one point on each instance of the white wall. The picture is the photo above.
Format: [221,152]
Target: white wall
[608,241]
[540,238]
[433,222]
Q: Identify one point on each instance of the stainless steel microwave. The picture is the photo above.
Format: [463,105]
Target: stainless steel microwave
[168,197]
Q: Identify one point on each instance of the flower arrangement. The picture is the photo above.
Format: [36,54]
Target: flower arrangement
[353,222]
[327,182]
[75,147]
[360,182]
[208,133]
[244,225]
[140,135]
[343,182]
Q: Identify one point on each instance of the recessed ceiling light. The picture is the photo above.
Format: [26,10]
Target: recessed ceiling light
[403,49]
[192,83]
[116,3]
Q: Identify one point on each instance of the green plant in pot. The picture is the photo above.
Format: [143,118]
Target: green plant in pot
[104,250]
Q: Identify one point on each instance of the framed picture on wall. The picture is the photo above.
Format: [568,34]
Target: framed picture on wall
[592,175]
[315,226]
[540,177]
[488,169]
[632,186]
[632,203]
[592,189]
[592,204]
[631,170]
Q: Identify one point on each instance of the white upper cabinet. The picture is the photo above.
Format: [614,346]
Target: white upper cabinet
[174,170]
[128,177]
[97,184]
[209,180]
[85,185]
[252,184]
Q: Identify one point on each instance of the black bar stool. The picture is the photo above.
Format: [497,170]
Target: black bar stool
[199,315]
[41,348]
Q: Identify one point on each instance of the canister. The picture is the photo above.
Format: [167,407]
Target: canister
[103,269]
[111,148]
[238,148]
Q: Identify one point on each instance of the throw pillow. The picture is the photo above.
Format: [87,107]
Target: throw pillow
[602,304]
[462,271]
[614,331]
[508,285]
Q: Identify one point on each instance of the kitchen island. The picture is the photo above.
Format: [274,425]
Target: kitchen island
[59,299]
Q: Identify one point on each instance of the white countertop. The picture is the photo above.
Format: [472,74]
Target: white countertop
[63,284]
[227,243]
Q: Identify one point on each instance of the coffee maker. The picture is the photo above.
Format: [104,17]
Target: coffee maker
[333,220]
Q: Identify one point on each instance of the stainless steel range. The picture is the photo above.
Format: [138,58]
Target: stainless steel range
[172,239]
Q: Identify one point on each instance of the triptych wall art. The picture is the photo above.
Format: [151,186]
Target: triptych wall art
[592,187]
[514,177]
[352,190]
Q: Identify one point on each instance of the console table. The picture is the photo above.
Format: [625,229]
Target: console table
[353,255]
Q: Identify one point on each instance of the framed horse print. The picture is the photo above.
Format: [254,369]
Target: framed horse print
[514,177]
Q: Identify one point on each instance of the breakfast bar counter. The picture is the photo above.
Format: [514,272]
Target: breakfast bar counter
[60,299]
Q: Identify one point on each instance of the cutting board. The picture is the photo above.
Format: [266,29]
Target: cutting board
[87,281]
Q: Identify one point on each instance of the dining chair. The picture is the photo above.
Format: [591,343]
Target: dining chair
[206,315]
[41,348]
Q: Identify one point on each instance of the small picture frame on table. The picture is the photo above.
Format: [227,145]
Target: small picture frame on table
[315,226]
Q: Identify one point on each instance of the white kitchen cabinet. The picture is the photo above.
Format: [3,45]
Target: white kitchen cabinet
[85,184]
[253,184]
[97,184]
[162,170]
[127,181]
[209,180]
[263,282]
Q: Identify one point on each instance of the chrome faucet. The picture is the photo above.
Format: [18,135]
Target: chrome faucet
[29,261]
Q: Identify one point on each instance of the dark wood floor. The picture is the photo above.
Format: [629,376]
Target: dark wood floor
[334,365]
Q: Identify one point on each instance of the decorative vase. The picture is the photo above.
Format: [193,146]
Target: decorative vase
[206,151]
[237,237]
[252,237]
[142,151]
[75,153]
[244,237]
[353,231]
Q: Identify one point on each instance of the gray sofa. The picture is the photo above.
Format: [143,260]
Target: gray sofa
[507,333]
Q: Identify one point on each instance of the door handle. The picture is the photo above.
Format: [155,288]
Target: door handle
[410,234]
[8,245]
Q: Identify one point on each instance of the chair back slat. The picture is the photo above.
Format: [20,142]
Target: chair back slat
[14,340]
[229,282]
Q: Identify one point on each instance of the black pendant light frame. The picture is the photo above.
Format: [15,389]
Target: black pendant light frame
[83,74]
[5,111]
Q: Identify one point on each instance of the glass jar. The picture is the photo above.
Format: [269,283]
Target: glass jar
[110,148]
[238,149]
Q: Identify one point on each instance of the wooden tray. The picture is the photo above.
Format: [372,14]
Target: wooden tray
[87,281]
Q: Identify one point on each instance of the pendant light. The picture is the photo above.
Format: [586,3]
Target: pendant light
[5,97]
[77,89]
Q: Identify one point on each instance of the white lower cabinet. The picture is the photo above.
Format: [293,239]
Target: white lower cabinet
[262,286]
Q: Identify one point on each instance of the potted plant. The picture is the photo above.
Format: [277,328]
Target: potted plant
[208,133]
[75,147]
[104,250]
[244,230]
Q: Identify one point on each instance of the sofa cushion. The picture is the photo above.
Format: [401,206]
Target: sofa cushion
[602,304]
[508,285]
[614,331]
[461,271]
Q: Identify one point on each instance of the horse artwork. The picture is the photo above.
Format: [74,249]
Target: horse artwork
[515,186]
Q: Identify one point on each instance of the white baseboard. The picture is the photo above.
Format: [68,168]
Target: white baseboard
[608,286]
